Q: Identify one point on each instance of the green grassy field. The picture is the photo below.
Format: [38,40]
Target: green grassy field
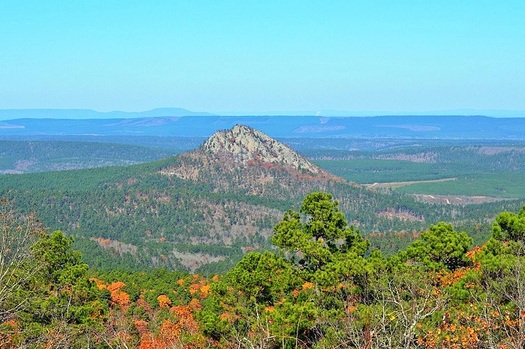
[368,171]
[501,185]
[430,178]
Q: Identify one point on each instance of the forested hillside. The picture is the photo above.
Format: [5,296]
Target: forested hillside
[321,287]
[42,156]
[203,210]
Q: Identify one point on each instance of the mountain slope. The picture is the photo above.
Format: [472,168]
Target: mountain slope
[202,210]
[247,161]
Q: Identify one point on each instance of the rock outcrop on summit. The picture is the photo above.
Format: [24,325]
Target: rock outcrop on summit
[247,160]
[246,145]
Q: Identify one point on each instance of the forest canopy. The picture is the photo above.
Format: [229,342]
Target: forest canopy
[321,286]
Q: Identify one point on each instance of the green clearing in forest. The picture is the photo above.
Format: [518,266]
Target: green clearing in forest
[430,178]
[500,185]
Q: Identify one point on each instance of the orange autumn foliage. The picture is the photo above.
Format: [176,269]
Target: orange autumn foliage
[185,318]
[308,286]
[199,287]
[141,326]
[474,252]
[164,301]
[8,332]
[119,297]
[170,330]
[449,279]
[459,330]
[100,284]
[148,342]
[115,286]
[205,291]
[194,288]
[195,305]
[227,316]
[451,336]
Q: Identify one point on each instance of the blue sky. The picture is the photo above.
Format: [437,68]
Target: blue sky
[263,56]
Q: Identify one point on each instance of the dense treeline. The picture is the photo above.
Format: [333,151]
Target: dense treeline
[478,157]
[54,155]
[321,286]
[136,218]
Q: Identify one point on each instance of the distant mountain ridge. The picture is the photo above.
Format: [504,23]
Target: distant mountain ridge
[400,127]
[13,114]
[10,114]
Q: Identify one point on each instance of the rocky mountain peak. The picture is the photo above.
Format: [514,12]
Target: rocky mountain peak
[245,145]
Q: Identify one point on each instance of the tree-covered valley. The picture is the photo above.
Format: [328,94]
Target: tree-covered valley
[237,244]
[322,286]
[202,210]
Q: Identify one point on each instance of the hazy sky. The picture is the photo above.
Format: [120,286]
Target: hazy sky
[260,56]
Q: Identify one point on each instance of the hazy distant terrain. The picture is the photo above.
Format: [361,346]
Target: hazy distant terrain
[192,125]
[10,114]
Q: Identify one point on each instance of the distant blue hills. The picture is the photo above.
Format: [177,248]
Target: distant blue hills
[11,114]
[183,123]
